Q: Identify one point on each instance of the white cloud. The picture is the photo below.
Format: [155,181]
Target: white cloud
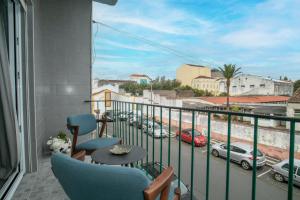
[257,38]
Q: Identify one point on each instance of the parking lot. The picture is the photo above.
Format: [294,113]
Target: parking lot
[240,179]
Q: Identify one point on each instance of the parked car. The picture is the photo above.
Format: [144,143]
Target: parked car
[124,116]
[240,153]
[157,131]
[281,171]
[186,136]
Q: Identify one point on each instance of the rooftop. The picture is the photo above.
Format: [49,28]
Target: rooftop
[296,97]
[246,99]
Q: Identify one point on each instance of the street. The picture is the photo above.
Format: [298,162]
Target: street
[240,180]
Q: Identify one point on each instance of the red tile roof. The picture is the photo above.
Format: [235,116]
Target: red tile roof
[246,99]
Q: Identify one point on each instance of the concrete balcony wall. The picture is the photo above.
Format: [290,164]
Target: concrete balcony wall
[62,59]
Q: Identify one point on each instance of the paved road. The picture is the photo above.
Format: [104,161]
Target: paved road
[240,180]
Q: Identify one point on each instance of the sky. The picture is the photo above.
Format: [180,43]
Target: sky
[155,37]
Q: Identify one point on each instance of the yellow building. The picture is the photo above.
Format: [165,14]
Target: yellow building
[187,72]
[207,83]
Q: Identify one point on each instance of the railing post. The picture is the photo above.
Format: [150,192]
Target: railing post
[160,168]
[147,145]
[142,123]
[153,145]
[192,154]
[125,122]
[128,121]
[291,160]
[228,158]
[137,124]
[134,114]
[179,148]
[208,155]
[169,139]
[113,114]
[254,158]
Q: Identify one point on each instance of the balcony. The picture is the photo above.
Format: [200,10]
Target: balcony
[206,176]
[46,76]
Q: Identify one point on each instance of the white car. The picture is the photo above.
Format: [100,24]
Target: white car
[281,171]
[157,132]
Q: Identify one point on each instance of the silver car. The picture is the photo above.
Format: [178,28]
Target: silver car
[281,171]
[157,133]
[240,153]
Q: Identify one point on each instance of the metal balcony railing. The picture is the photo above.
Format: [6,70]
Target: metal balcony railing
[150,113]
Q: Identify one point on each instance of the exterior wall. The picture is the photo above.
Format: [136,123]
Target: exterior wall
[186,73]
[62,64]
[140,80]
[209,84]
[291,107]
[257,85]
[251,85]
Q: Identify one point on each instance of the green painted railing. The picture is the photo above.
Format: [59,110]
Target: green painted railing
[145,115]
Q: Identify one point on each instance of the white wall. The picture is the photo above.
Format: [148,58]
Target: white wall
[272,87]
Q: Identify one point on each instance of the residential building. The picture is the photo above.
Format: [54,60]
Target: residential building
[140,78]
[207,83]
[247,84]
[249,100]
[293,107]
[102,82]
[187,72]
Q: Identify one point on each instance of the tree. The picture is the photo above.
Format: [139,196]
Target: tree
[296,85]
[229,71]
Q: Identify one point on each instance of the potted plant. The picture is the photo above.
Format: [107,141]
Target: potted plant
[60,143]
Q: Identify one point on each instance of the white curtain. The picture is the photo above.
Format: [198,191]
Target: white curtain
[8,124]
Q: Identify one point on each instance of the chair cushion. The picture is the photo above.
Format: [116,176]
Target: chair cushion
[82,180]
[86,122]
[97,143]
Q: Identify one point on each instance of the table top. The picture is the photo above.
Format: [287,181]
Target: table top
[104,156]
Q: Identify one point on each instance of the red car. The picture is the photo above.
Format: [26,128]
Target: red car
[186,136]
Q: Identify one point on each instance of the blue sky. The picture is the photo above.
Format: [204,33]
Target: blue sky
[262,37]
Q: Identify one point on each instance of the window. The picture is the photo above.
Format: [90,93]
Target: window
[252,86]
[297,113]
[298,172]
[262,85]
[259,153]
[237,150]
[243,86]
[286,167]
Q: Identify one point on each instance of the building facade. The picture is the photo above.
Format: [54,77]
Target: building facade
[207,84]
[187,72]
[140,78]
[246,84]
[293,107]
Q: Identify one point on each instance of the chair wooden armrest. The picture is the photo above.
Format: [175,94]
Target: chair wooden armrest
[79,155]
[177,194]
[161,185]
[75,130]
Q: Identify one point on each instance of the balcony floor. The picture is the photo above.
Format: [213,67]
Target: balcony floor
[40,185]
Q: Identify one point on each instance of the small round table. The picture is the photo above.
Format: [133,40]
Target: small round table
[104,156]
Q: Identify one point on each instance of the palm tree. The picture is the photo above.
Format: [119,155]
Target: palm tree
[229,71]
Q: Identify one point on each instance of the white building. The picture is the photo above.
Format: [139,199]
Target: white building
[293,108]
[246,84]
[140,78]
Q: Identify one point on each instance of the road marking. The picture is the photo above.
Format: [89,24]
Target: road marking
[264,173]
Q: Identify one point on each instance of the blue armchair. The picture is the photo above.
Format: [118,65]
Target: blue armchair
[85,124]
[82,180]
